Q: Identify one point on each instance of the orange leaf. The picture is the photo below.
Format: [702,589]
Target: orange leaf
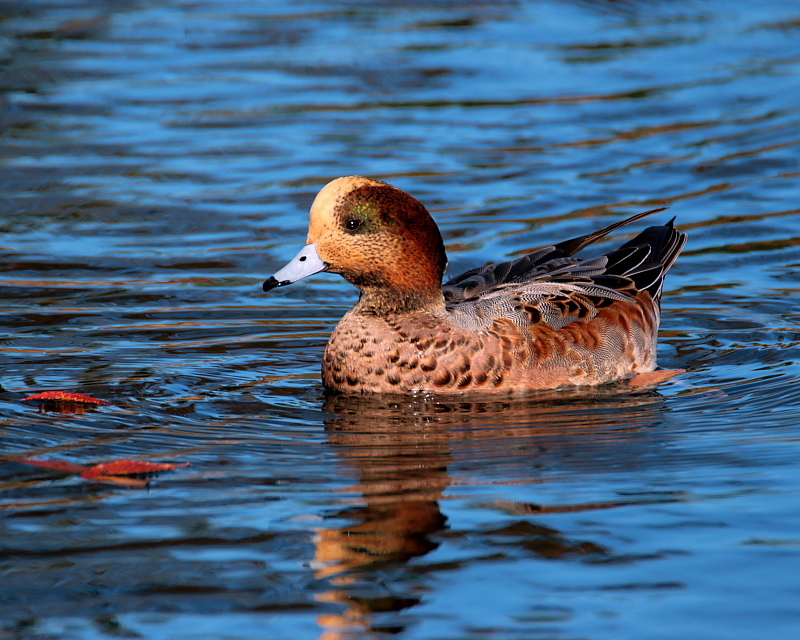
[134,483]
[56,465]
[126,467]
[63,396]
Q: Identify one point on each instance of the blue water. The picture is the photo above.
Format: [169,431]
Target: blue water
[158,162]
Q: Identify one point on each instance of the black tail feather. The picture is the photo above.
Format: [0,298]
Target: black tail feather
[661,246]
[571,247]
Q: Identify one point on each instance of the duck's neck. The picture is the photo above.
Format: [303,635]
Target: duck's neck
[381,301]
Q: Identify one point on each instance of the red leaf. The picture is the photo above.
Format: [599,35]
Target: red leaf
[133,483]
[63,396]
[108,472]
[126,467]
[56,465]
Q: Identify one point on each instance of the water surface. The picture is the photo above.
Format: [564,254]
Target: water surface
[158,161]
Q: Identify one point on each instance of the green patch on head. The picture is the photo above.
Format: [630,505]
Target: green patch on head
[362,214]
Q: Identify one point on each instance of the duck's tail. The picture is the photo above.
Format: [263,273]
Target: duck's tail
[646,258]
[571,247]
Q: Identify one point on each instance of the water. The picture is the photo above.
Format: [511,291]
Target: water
[158,161]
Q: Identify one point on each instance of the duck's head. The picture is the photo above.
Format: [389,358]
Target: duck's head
[377,236]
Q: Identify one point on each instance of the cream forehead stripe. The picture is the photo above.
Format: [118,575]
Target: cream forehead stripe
[325,202]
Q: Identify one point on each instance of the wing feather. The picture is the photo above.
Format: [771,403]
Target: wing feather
[550,286]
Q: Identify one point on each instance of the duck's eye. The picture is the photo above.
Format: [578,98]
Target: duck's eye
[353,224]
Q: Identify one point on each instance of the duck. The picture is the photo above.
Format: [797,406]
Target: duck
[542,321]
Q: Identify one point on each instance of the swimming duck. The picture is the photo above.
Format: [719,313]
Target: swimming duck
[541,321]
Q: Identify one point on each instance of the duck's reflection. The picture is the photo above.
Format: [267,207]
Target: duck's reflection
[402,449]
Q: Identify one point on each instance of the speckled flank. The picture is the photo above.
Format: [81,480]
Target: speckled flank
[419,353]
[538,322]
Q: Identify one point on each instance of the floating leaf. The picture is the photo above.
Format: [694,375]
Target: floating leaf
[133,483]
[108,472]
[63,396]
[128,467]
[55,465]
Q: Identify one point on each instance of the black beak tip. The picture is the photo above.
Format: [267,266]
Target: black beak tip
[271,283]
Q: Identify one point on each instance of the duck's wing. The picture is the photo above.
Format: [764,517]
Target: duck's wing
[473,282]
[550,286]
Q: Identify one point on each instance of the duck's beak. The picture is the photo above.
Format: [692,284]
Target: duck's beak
[305,263]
